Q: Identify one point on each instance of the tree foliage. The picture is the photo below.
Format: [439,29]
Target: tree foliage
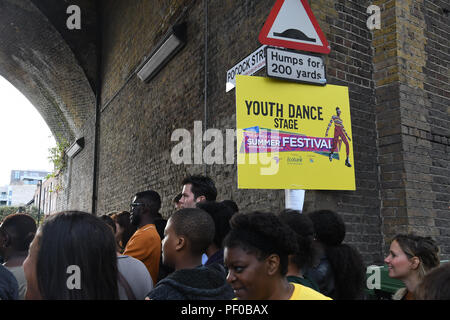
[57,156]
[32,211]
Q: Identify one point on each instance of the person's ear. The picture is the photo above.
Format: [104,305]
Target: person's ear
[181,243]
[200,199]
[6,240]
[415,262]
[272,264]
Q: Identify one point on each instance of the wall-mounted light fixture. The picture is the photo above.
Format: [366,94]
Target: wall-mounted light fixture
[75,147]
[172,42]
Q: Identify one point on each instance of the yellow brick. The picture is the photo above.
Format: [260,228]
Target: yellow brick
[391,36]
[389,4]
[378,33]
[390,21]
[392,70]
[388,80]
[391,53]
[378,58]
[377,42]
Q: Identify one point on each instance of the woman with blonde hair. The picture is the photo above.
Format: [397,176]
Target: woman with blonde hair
[410,258]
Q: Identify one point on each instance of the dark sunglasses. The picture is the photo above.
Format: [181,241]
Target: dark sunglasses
[137,204]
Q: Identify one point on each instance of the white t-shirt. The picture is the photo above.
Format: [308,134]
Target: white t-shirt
[22,282]
[137,276]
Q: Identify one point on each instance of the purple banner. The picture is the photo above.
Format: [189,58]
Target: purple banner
[268,141]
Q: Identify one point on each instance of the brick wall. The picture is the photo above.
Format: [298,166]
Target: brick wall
[436,87]
[39,62]
[412,98]
[138,119]
[397,78]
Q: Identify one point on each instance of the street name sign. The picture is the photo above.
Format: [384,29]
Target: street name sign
[247,67]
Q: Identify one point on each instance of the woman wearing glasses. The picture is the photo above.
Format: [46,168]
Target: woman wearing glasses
[410,258]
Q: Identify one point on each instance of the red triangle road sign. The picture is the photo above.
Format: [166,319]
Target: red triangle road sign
[291,24]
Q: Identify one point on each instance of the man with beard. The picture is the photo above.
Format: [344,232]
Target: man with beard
[145,244]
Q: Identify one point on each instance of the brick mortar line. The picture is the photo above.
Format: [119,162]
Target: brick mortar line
[431,85]
[432,140]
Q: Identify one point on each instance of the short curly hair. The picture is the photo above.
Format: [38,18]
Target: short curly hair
[21,229]
[262,234]
[196,225]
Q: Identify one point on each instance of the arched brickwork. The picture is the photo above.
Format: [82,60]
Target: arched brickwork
[36,59]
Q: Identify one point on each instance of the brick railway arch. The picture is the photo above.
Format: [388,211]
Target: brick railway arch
[399,113]
[38,61]
[55,68]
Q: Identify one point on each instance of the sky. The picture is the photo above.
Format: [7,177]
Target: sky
[24,136]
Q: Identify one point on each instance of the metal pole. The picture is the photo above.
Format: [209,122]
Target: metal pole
[39,207]
[205,89]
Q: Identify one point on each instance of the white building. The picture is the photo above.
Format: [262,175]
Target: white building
[16,195]
[31,177]
[4,196]
[45,197]
[22,187]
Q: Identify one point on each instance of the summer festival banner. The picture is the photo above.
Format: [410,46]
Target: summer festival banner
[293,136]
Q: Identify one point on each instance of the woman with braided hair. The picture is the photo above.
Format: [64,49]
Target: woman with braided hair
[410,258]
[256,255]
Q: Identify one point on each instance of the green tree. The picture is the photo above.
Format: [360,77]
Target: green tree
[7,210]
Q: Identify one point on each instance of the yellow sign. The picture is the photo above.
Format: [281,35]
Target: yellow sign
[293,136]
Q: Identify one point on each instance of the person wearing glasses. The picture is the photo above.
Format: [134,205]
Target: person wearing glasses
[410,258]
[145,244]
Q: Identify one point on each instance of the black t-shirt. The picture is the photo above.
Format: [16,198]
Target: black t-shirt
[9,288]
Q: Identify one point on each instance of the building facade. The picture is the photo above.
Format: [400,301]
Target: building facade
[16,195]
[46,196]
[4,196]
[22,187]
[28,177]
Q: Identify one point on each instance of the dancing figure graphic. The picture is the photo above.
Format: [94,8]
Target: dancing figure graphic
[339,132]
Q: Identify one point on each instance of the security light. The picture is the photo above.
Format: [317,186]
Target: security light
[75,147]
[173,42]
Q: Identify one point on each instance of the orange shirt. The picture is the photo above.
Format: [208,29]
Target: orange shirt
[145,245]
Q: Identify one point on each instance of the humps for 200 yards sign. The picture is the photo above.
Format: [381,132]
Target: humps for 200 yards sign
[293,136]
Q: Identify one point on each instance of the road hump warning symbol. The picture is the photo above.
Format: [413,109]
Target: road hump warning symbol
[291,24]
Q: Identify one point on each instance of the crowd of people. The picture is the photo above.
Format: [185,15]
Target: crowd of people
[206,250]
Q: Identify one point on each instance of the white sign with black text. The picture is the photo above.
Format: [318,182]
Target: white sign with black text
[247,67]
[295,66]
